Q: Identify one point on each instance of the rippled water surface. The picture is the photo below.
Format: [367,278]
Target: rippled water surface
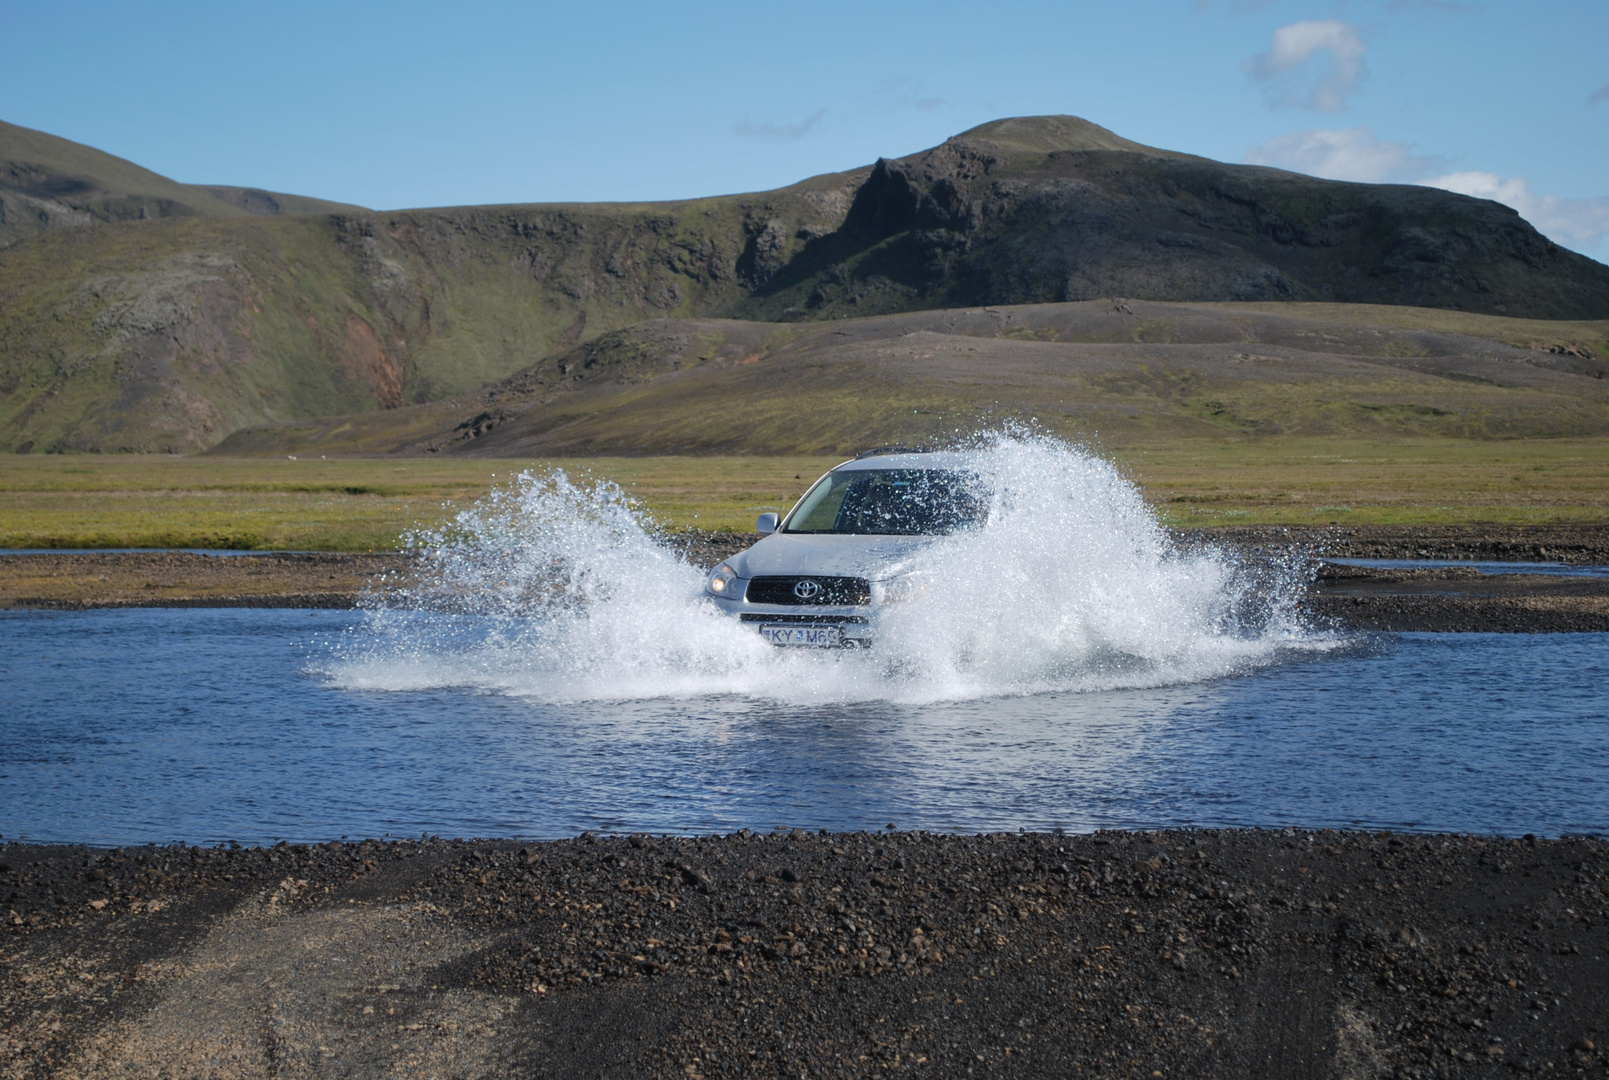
[212,725]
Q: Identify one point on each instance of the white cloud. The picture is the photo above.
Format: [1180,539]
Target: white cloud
[1288,64]
[1359,154]
[1347,154]
[1578,224]
[779,132]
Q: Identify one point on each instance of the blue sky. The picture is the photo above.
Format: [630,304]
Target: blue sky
[412,104]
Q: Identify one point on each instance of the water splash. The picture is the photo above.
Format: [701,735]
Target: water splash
[562,590]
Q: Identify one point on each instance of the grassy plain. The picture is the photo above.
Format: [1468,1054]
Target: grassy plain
[94,501]
[1371,482]
[357,504]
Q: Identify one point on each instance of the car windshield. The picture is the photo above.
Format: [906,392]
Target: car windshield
[902,502]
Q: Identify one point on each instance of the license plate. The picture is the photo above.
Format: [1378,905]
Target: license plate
[821,637]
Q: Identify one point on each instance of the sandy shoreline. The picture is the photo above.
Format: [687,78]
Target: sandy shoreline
[1177,954]
[1391,600]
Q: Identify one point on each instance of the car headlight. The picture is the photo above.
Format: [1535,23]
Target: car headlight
[901,590]
[723,583]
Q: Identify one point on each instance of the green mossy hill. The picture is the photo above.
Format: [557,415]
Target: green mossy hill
[48,184]
[1043,135]
[166,336]
[182,316]
[1125,372]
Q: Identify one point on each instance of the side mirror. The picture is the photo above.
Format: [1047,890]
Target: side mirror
[766,525]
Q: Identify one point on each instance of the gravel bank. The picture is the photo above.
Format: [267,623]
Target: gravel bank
[185,579]
[1586,545]
[1459,600]
[1174,954]
[1392,600]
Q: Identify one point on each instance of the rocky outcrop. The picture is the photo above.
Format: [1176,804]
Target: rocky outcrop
[976,221]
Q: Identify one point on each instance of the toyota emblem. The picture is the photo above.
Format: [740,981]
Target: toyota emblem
[807,589]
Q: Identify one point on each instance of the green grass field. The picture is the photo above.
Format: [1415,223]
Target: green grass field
[1400,482]
[97,501]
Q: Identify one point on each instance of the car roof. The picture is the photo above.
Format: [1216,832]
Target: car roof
[937,459]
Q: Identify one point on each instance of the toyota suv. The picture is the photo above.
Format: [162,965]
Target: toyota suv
[820,576]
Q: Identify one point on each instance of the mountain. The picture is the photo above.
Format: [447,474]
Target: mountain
[49,184]
[1051,209]
[180,315]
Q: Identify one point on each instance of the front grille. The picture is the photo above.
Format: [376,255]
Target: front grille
[829,590]
[840,620]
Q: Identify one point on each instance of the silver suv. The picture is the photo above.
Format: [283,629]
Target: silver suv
[821,575]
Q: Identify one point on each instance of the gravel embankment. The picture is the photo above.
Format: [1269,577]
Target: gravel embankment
[1393,600]
[1582,545]
[1459,600]
[1232,954]
[185,579]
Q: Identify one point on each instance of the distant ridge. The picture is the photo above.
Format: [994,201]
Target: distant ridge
[141,314]
[49,183]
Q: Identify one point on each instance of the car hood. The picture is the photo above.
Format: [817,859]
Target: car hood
[873,557]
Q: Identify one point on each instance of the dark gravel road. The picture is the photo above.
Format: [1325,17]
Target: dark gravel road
[1248,954]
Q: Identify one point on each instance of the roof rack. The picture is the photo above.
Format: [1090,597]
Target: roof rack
[881,450]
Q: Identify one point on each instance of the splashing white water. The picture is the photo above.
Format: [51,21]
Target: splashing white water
[562,591]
